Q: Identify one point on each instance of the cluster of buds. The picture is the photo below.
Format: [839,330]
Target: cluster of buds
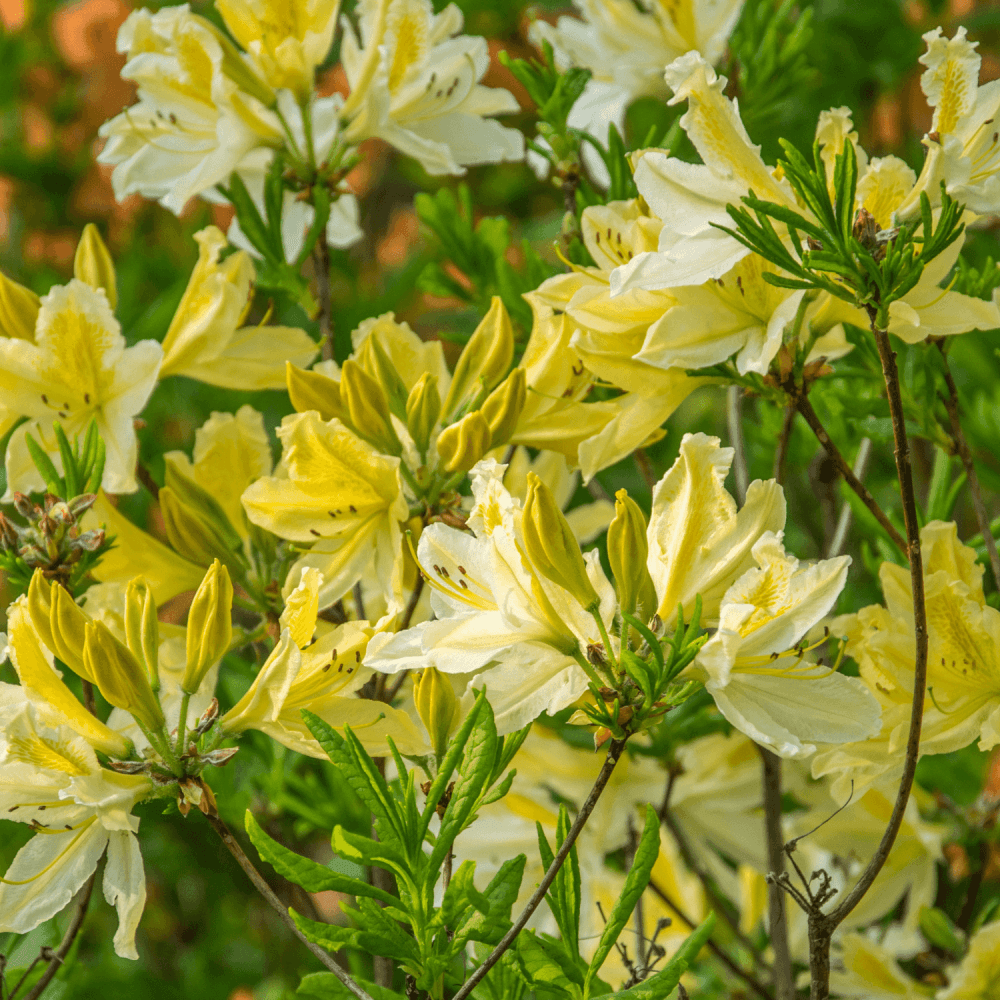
[51,540]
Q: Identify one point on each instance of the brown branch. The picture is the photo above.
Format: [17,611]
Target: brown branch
[734,423]
[787,423]
[232,845]
[965,454]
[411,604]
[79,914]
[645,467]
[747,977]
[784,981]
[321,265]
[860,467]
[805,408]
[614,753]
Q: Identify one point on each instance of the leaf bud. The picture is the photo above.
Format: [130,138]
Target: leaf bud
[551,546]
[19,308]
[938,928]
[187,533]
[93,264]
[423,407]
[485,359]
[627,552]
[503,407]
[120,677]
[368,408]
[142,629]
[198,500]
[314,391]
[210,625]
[463,444]
[437,706]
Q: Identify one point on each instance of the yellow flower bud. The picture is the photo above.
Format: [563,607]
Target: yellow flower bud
[142,630]
[18,310]
[235,66]
[627,551]
[210,625]
[187,533]
[314,391]
[463,444]
[436,705]
[423,407]
[40,606]
[119,676]
[485,359]
[373,358]
[368,408]
[93,264]
[551,547]
[198,500]
[68,624]
[503,407]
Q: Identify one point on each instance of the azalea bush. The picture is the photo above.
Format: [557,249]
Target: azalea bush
[500,503]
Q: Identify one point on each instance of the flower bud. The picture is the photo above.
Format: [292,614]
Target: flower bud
[502,408]
[120,677]
[436,705]
[551,546]
[314,391]
[68,625]
[40,606]
[485,359]
[627,551]
[93,264]
[373,358]
[19,308]
[423,407]
[187,533]
[210,625]
[198,500]
[463,444]
[368,408]
[235,67]
[142,630]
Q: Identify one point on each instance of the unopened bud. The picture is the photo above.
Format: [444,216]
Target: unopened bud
[437,706]
[503,407]
[865,228]
[423,407]
[93,264]
[40,606]
[314,391]
[463,444]
[188,535]
[68,625]
[235,67]
[24,506]
[142,629]
[9,538]
[19,308]
[485,359]
[551,546]
[368,408]
[79,505]
[89,541]
[207,720]
[197,499]
[119,676]
[627,552]
[210,626]
[376,362]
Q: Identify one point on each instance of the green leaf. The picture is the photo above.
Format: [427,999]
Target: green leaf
[938,928]
[500,894]
[365,851]
[565,893]
[253,226]
[53,481]
[462,895]
[646,854]
[380,935]
[274,191]
[333,937]
[326,986]
[321,205]
[97,473]
[68,461]
[544,967]
[312,876]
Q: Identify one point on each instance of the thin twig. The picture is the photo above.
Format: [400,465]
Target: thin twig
[965,454]
[614,753]
[321,265]
[807,411]
[747,977]
[972,893]
[839,539]
[640,934]
[79,914]
[784,982]
[359,602]
[394,690]
[734,423]
[787,423]
[645,467]
[232,845]
[411,604]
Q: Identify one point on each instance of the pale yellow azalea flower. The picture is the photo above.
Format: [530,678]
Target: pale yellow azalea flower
[201,111]
[206,339]
[864,970]
[333,490]
[78,369]
[978,975]
[413,81]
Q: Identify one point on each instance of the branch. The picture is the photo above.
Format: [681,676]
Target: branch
[965,454]
[846,512]
[734,423]
[807,411]
[232,845]
[784,982]
[788,421]
[321,264]
[614,753]
[69,937]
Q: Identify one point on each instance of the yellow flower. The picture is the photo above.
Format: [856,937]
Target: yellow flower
[978,975]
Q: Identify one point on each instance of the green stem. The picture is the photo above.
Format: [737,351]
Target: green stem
[182,722]
[605,638]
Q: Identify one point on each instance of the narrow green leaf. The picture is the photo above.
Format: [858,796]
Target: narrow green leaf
[326,986]
[68,461]
[53,481]
[97,474]
[251,223]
